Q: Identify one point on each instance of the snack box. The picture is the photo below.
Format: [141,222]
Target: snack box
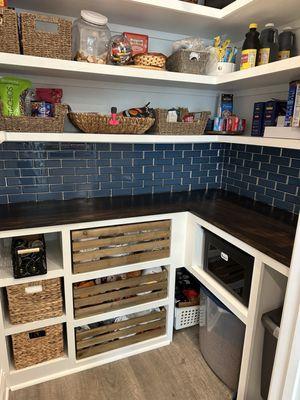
[139,43]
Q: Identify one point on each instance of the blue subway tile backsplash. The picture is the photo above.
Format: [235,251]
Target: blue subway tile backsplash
[266,174]
[62,171]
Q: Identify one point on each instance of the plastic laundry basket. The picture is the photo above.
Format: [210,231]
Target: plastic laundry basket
[271,322]
[221,337]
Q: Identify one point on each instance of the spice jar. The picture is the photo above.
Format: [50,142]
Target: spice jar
[90,37]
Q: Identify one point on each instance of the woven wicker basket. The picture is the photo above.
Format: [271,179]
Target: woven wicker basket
[35,124]
[9,42]
[156,60]
[46,44]
[30,302]
[97,123]
[31,348]
[189,62]
[162,127]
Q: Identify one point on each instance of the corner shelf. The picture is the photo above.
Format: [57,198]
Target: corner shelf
[265,75]
[99,138]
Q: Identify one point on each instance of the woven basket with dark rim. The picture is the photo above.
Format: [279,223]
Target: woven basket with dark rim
[25,306]
[40,345]
[9,36]
[35,124]
[186,62]
[162,127]
[39,43]
[97,123]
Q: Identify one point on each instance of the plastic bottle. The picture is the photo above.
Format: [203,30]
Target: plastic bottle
[269,47]
[250,48]
[287,41]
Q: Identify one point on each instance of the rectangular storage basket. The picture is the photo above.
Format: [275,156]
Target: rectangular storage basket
[34,347]
[35,124]
[100,248]
[38,42]
[34,301]
[116,335]
[189,62]
[9,34]
[128,292]
[186,317]
[162,127]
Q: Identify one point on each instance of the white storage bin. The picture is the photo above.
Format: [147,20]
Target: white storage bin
[186,317]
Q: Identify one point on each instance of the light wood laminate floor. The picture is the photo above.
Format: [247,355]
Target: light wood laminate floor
[175,372]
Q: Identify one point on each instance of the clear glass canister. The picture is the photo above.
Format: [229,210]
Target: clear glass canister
[90,37]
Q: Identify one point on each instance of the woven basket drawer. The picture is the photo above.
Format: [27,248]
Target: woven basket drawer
[96,249]
[37,42]
[128,292]
[34,347]
[9,42]
[30,302]
[129,330]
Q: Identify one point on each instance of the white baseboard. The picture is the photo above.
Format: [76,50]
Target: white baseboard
[4,392]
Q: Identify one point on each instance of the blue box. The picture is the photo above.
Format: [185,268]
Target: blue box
[258,126]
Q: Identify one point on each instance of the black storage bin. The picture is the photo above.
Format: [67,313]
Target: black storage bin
[218,3]
[29,256]
[271,323]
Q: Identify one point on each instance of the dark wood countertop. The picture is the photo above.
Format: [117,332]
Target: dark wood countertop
[269,230]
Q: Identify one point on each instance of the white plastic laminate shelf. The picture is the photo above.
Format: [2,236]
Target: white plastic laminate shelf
[174,15]
[54,266]
[275,73]
[97,138]
[11,329]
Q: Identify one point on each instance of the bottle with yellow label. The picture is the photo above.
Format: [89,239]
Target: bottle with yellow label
[287,43]
[250,48]
[269,47]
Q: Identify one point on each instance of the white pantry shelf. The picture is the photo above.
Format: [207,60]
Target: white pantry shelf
[54,266]
[99,138]
[275,73]
[174,15]
[11,329]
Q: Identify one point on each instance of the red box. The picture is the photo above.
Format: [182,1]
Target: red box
[139,43]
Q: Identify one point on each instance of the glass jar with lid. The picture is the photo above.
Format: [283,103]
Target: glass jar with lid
[90,37]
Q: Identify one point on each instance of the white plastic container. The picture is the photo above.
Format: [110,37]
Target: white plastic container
[221,339]
[186,317]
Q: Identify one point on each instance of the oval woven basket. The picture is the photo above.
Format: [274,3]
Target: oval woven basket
[97,123]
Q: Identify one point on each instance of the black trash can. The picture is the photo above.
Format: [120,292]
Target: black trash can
[271,323]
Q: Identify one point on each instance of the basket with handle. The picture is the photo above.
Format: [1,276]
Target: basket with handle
[96,123]
[37,346]
[162,127]
[187,61]
[24,123]
[9,42]
[38,42]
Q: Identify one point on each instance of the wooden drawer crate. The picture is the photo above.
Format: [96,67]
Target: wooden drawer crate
[128,292]
[116,335]
[100,248]
[34,347]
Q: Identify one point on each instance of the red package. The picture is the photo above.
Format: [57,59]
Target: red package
[49,95]
[139,43]
[3,3]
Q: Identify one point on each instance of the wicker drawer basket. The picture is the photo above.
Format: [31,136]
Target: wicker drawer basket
[189,62]
[38,42]
[100,248]
[35,124]
[127,292]
[34,347]
[116,335]
[9,42]
[30,302]
[162,127]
